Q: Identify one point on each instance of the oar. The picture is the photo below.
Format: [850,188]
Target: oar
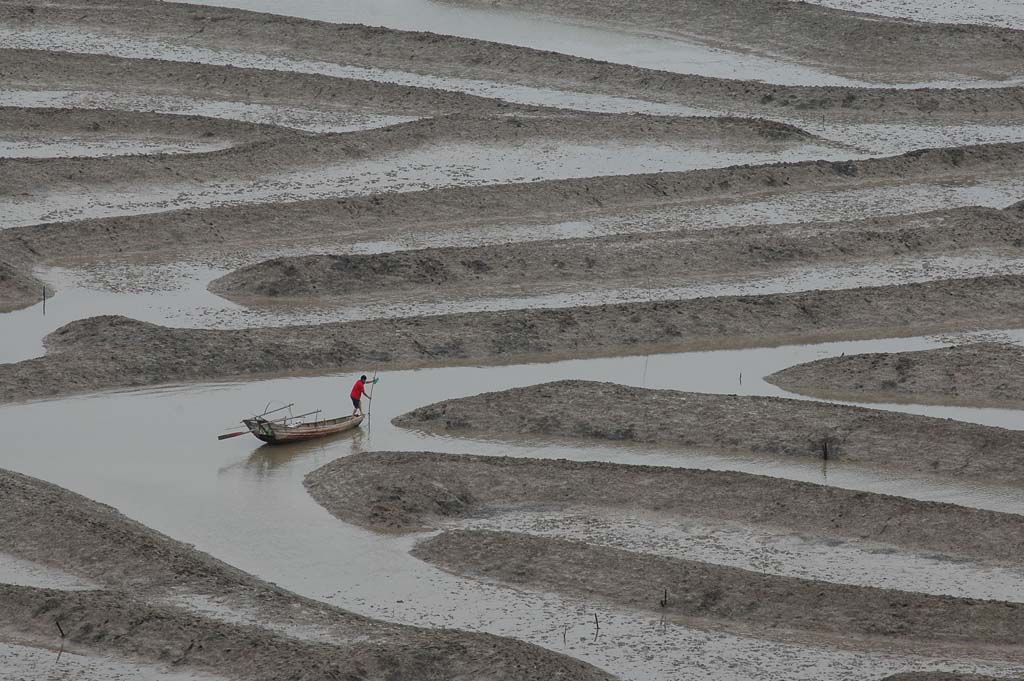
[225,436]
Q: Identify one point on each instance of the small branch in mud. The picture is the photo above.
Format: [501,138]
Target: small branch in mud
[62,637]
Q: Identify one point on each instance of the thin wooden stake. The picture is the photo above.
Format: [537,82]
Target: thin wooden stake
[44,301]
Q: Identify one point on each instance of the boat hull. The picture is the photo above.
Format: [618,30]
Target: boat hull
[278,434]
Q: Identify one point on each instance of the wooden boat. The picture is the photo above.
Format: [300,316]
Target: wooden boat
[277,432]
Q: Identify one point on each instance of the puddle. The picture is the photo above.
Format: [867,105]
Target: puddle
[14,570]
[557,34]
[1004,13]
[78,147]
[168,471]
[857,563]
[23,661]
[451,165]
[310,120]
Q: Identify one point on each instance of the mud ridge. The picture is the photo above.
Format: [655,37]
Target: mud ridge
[428,53]
[408,491]
[39,69]
[751,426]
[87,123]
[107,352]
[975,374]
[265,226]
[659,259]
[42,522]
[112,622]
[703,593]
[18,288]
[294,150]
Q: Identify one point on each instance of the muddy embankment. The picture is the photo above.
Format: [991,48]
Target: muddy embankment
[114,352]
[432,54]
[649,260]
[292,150]
[859,46]
[409,491]
[729,424]
[18,288]
[977,374]
[144,574]
[43,69]
[85,124]
[263,228]
[706,595]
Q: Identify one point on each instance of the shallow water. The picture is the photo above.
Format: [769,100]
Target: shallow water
[557,34]
[245,503]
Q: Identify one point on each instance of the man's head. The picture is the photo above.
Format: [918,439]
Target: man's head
[363,378]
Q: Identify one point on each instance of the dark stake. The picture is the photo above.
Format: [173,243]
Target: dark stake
[596,623]
[60,629]
[741,378]
[664,599]
[61,651]
[44,301]
[824,449]
[565,631]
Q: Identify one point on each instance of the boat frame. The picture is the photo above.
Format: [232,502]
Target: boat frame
[279,432]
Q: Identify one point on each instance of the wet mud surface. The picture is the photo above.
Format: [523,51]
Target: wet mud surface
[869,47]
[143,570]
[400,491]
[96,353]
[589,183]
[975,374]
[732,424]
[661,259]
[843,615]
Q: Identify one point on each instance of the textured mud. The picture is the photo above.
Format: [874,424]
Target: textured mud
[978,374]
[448,56]
[141,569]
[659,259]
[290,150]
[387,491]
[701,593]
[18,288]
[859,46]
[98,123]
[42,69]
[114,352]
[760,426]
[265,228]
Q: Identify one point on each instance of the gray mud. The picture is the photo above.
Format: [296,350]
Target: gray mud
[265,228]
[142,570]
[107,352]
[18,288]
[291,150]
[404,491]
[730,424]
[48,70]
[717,596]
[449,56]
[859,46]
[977,374]
[658,259]
[99,123]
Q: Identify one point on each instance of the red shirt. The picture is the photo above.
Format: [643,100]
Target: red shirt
[358,390]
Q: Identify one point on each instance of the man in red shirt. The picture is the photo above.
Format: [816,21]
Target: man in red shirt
[358,390]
